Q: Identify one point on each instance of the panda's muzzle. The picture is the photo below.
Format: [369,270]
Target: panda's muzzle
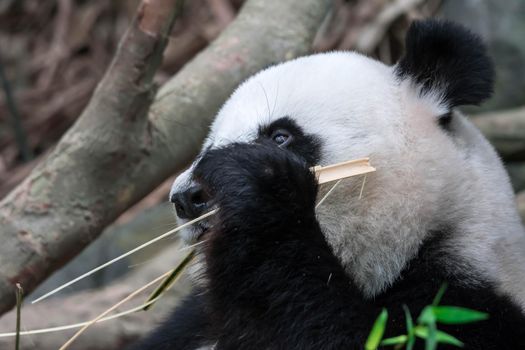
[191,203]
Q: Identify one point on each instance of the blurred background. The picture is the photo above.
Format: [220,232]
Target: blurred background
[53,54]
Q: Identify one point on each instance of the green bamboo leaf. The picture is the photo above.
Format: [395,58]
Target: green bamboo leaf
[441,337]
[411,337]
[428,319]
[439,295]
[427,316]
[400,339]
[457,315]
[431,340]
[378,329]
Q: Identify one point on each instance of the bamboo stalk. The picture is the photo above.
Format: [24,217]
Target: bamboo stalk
[343,170]
[324,174]
[169,279]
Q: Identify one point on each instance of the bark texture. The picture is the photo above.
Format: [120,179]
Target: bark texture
[520,199]
[117,152]
[505,130]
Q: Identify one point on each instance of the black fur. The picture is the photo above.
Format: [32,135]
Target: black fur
[444,121]
[446,57]
[305,145]
[275,284]
[187,328]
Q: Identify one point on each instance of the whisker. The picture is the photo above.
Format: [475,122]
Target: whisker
[267,101]
[276,96]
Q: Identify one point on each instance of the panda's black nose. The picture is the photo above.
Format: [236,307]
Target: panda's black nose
[191,203]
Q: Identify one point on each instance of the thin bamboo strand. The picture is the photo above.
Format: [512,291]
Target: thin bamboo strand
[137,308]
[107,311]
[328,193]
[344,169]
[120,257]
[78,325]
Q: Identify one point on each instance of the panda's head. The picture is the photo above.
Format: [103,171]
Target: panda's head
[434,170]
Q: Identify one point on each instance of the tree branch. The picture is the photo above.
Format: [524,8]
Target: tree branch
[372,34]
[520,199]
[113,155]
[505,130]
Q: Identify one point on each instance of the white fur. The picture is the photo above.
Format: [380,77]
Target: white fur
[426,180]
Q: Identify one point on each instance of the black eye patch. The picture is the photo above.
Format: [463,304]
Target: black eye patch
[286,133]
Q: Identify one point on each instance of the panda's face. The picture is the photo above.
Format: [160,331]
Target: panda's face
[431,162]
[326,108]
[330,108]
[339,98]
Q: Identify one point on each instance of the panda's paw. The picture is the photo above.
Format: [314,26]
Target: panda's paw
[257,179]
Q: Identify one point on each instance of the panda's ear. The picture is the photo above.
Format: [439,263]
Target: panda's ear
[448,60]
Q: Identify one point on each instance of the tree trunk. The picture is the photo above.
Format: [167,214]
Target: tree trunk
[116,152]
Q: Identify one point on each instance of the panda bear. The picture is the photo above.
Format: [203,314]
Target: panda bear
[275,272]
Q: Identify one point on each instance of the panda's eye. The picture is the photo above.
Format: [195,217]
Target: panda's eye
[281,137]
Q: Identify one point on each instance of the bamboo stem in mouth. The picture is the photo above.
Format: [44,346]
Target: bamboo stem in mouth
[324,174]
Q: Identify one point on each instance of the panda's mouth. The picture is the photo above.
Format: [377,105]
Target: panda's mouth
[196,232]
[203,229]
